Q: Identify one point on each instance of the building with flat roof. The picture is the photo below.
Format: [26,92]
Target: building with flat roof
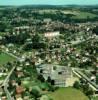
[58,73]
[52,34]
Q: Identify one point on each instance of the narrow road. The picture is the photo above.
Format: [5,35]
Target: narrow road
[8,76]
[5,83]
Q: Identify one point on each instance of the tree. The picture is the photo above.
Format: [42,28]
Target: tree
[49,79]
[97,79]
[89,92]
[38,42]
[35,93]
[28,46]
[52,82]
[85,88]
[41,78]
[0,50]
[36,38]
[95,30]
[76,85]
[3,26]
[51,88]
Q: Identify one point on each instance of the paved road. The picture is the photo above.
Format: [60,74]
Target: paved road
[5,83]
[81,75]
[8,76]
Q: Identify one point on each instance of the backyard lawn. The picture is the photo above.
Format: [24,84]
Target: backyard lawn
[67,94]
[4,58]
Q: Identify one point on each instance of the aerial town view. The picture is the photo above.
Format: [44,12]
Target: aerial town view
[48,49]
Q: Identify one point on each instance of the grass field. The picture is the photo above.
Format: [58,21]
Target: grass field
[67,94]
[83,15]
[2,33]
[96,98]
[4,58]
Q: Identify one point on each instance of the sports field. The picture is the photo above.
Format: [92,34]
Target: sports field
[67,94]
